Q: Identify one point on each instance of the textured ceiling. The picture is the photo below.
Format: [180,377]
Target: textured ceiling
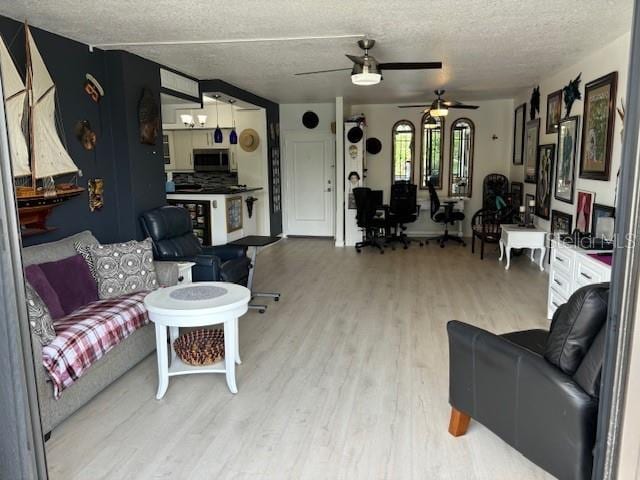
[490,48]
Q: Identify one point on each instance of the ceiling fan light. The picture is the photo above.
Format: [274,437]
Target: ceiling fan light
[439,112]
[365,79]
[186,119]
[202,120]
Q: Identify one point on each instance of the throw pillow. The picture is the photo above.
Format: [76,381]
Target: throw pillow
[38,280]
[124,268]
[83,250]
[71,279]
[39,317]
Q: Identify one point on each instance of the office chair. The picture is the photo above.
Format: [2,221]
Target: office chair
[366,219]
[403,209]
[445,215]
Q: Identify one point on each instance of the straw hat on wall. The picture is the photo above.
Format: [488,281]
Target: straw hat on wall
[249,140]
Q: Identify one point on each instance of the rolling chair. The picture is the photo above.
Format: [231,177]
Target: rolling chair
[372,226]
[403,209]
[445,215]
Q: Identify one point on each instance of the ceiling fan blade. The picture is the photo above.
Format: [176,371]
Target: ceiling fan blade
[413,106]
[468,107]
[410,65]
[323,71]
[356,60]
[456,104]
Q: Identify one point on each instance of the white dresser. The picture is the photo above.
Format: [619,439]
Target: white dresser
[572,268]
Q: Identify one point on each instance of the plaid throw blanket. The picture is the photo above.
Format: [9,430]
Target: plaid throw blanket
[87,334]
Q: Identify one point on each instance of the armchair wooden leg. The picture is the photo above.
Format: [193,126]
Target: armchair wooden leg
[458,423]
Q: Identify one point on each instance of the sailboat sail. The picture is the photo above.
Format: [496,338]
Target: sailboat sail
[14,97]
[49,156]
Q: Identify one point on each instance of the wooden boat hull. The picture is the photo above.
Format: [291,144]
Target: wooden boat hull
[34,209]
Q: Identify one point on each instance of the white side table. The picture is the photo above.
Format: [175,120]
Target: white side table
[184,272]
[196,305]
[514,236]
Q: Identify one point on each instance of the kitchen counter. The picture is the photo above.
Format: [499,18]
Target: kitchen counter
[227,211]
[217,191]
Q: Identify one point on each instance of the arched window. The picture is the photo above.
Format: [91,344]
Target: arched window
[402,141]
[431,153]
[461,164]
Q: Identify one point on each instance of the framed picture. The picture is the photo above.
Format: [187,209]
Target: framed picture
[597,127]
[565,167]
[532,135]
[561,223]
[234,213]
[584,209]
[554,111]
[520,117]
[544,180]
[603,221]
[517,190]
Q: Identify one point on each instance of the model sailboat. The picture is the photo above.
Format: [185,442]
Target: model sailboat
[38,161]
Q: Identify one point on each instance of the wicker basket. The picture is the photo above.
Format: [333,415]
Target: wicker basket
[200,347]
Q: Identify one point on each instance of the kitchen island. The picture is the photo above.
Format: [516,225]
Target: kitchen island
[222,214]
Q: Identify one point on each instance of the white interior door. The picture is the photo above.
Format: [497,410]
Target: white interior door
[310,184]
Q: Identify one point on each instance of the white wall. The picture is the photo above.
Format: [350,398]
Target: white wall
[612,57]
[253,166]
[490,156]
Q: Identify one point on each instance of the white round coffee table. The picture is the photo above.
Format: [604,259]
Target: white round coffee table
[197,305]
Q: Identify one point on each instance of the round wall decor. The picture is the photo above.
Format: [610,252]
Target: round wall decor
[310,119]
[354,134]
[373,146]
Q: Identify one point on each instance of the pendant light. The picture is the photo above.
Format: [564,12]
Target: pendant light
[217,134]
[233,136]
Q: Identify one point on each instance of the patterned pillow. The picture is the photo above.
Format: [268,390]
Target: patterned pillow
[123,268]
[39,317]
[83,250]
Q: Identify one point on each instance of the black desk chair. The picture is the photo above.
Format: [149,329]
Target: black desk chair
[374,228]
[445,215]
[403,209]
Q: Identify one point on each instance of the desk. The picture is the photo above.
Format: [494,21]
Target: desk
[254,242]
[514,236]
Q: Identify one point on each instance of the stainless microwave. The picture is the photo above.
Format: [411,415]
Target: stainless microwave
[211,160]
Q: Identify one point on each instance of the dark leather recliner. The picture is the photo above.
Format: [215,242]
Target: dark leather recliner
[536,390]
[173,239]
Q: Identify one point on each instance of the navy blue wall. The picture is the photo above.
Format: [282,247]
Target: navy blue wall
[133,172]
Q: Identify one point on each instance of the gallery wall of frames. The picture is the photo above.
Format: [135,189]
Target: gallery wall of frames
[567,141]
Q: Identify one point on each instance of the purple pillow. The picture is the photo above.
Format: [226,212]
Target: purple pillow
[40,283]
[72,281]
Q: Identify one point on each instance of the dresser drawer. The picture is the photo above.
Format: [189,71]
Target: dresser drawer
[562,259]
[586,275]
[561,282]
[555,300]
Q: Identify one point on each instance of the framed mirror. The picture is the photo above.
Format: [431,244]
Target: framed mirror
[461,160]
[402,144]
[432,129]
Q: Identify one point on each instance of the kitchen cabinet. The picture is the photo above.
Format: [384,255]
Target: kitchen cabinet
[202,138]
[183,151]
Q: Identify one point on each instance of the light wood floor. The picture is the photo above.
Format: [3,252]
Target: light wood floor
[345,378]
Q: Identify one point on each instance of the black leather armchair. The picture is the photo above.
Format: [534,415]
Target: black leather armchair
[173,239]
[536,390]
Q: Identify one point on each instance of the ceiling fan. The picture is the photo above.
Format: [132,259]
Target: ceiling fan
[367,70]
[440,107]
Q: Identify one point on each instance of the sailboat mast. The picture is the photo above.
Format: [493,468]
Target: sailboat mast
[31,109]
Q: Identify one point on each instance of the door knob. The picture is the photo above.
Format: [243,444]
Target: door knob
[329,189]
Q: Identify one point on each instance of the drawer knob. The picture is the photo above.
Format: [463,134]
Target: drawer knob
[180,278]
